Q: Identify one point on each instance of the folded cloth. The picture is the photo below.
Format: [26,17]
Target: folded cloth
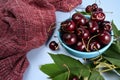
[24,25]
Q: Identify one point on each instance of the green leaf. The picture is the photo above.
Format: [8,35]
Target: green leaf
[113,54]
[114,61]
[115,30]
[51,69]
[119,31]
[83,12]
[66,62]
[113,51]
[63,76]
[118,46]
[95,75]
[118,70]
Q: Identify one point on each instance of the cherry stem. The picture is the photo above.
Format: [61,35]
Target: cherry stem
[109,12]
[111,67]
[97,50]
[56,48]
[80,74]
[68,70]
[84,44]
[95,58]
[90,40]
[100,58]
[52,26]
[107,70]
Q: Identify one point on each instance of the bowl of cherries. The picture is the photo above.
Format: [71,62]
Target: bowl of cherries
[86,36]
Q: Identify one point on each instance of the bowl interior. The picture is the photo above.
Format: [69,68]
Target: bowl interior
[85,54]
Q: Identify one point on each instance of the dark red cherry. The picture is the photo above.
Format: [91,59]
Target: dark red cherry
[94,7]
[93,26]
[74,78]
[86,34]
[69,39]
[100,9]
[53,45]
[98,16]
[79,19]
[80,46]
[94,45]
[82,33]
[106,25]
[88,9]
[104,37]
[68,26]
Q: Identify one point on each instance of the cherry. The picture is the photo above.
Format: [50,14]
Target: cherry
[80,46]
[98,16]
[94,7]
[94,45]
[79,19]
[74,78]
[100,9]
[69,39]
[53,45]
[93,26]
[82,33]
[106,25]
[68,26]
[104,37]
[88,9]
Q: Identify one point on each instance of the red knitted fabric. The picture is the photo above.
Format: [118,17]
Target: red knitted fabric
[24,26]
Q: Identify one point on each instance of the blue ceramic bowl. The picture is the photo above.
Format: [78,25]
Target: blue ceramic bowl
[81,54]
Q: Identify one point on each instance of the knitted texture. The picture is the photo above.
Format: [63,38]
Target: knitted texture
[24,25]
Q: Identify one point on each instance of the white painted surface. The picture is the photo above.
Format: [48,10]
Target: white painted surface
[39,56]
